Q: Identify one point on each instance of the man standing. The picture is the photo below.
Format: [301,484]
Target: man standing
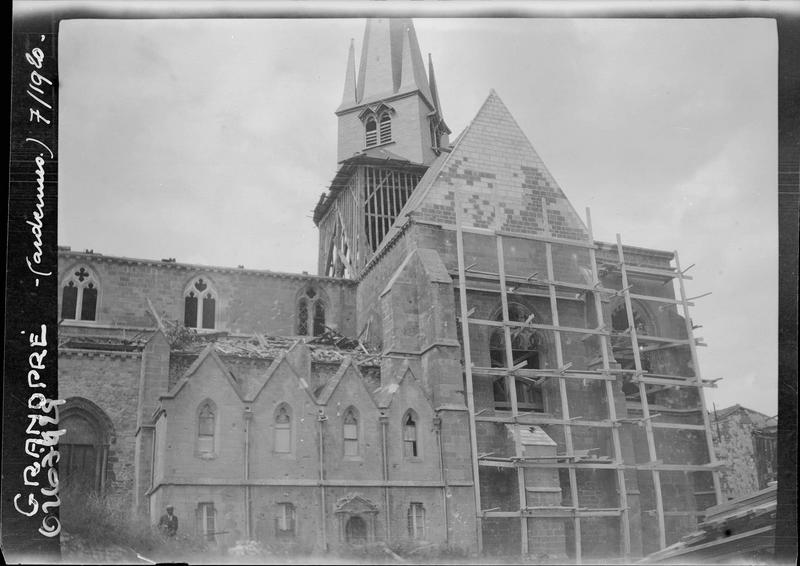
[169,522]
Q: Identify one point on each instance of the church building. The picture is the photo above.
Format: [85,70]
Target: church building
[469,368]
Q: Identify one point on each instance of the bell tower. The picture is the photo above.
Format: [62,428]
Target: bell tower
[390,130]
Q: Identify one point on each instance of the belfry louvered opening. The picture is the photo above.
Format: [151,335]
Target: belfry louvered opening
[386,128]
[371,133]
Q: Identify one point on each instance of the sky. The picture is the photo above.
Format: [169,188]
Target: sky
[210,141]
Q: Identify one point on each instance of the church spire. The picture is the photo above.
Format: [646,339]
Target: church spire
[391,62]
[432,82]
[349,95]
[388,105]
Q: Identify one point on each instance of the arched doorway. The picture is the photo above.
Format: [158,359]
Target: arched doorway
[356,516]
[355,531]
[84,448]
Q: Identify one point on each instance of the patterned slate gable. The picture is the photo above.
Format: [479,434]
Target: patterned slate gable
[501,181]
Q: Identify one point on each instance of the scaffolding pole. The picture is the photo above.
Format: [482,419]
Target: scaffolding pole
[572,461]
[612,410]
[562,384]
[698,377]
[473,436]
[511,388]
[648,425]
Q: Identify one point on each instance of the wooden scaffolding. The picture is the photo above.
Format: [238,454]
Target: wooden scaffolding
[573,460]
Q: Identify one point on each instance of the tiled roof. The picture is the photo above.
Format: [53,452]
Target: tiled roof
[501,181]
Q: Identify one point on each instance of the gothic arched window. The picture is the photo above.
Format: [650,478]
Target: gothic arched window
[310,313]
[79,295]
[411,447]
[200,305]
[350,432]
[622,346]
[206,428]
[371,132]
[526,348]
[385,128]
[283,429]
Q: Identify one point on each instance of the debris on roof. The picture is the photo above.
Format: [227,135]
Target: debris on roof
[105,343]
[329,347]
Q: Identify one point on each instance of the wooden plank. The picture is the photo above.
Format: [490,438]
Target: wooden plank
[735,541]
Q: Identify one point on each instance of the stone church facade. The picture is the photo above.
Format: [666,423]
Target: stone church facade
[321,412]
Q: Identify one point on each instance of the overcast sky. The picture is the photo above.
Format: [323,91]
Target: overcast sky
[211,140]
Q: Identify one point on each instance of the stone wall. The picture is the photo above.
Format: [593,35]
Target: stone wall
[248,301]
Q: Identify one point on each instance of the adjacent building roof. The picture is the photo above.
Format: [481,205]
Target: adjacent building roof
[741,529]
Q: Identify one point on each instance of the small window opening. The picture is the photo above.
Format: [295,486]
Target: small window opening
[410,443]
[350,433]
[206,424]
[207,521]
[283,430]
[285,521]
[416,521]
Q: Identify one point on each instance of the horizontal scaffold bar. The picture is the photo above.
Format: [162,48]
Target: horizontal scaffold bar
[530,464]
[646,270]
[651,338]
[677,467]
[660,299]
[532,281]
[679,426]
[542,293]
[687,382]
[528,419]
[553,512]
[540,373]
[512,324]
[505,234]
